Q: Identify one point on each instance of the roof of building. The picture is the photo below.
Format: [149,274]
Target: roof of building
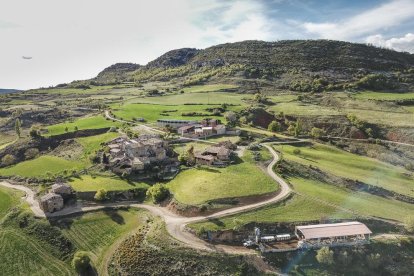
[218,150]
[334,230]
[205,157]
[207,128]
[185,128]
[220,126]
[50,196]
[113,146]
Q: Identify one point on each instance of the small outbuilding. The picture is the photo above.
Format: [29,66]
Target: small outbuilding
[51,202]
[62,189]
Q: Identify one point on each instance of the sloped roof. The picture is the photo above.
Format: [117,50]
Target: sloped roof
[50,196]
[218,150]
[205,157]
[333,230]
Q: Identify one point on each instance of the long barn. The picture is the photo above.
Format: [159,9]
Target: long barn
[333,234]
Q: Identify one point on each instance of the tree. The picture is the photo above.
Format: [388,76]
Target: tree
[76,128]
[317,132]
[66,129]
[34,132]
[17,127]
[325,256]
[298,127]
[101,195]
[31,153]
[373,260]
[158,192]
[344,259]
[409,224]
[291,129]
[8,160]
[81,261]
[273,126]
[190,156]
[231,118]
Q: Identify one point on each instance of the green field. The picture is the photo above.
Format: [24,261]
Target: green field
[8,199]
[297,208]
[99,232]
[22,255]
[41,166]
[384,96]
[360,202]
[152,112]
[199,185]
[198,98]
[87,183]
[93,122]
[372,114]
[348,165]
[209,88]
[92,144]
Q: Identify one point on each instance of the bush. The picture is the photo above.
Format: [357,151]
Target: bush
[101,195]
[409,224]
[325,256]
[158,193]
[81,261]
[273,126]
[31,153]
[8,160]
[296,151]
[317,132]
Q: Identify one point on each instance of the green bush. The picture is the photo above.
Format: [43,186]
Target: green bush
[8,160]
[81,261]
[101,195]
[158,193]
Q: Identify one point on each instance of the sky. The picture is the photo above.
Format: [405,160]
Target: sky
[76,39]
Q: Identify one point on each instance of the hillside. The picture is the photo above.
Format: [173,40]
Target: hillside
[299,65]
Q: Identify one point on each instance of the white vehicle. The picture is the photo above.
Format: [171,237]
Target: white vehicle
[248,243]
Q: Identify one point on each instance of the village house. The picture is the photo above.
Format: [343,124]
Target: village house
[138,154]
[207,127]
[62,189]
[51,202]
[218,155]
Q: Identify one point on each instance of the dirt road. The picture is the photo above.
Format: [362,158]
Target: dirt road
[175,223]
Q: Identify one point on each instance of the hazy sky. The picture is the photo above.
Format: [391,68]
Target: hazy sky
[76,39]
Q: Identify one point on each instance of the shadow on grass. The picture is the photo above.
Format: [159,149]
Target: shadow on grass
[115,216]
[216,222]
[208,169]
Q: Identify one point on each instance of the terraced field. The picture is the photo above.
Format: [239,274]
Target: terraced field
[383,96]
[21,255]
[198,98]
[348,165]
[99,231]
[87,183]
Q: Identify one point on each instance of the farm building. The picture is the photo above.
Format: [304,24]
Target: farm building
[51,202]
[333,234]
[61,189]
[216,155]
[174,123]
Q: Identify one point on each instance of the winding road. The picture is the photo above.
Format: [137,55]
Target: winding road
[175,224]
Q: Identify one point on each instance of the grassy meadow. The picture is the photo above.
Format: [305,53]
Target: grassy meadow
[8,199]
[296,208]
[200,185]
[93,122]
[383,96]
[40,166]
[348,165]
[88,183]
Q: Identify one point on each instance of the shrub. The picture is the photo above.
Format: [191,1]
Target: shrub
[81,261]
[296,151]
[325,256]
[158,193]
[273,126]
[31,153]
[101,195]
[317,132]
[8,160]
[409,224]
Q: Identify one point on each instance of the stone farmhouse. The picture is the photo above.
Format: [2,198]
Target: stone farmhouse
[219,155]
[54,200]
[140,155]
[206,128]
